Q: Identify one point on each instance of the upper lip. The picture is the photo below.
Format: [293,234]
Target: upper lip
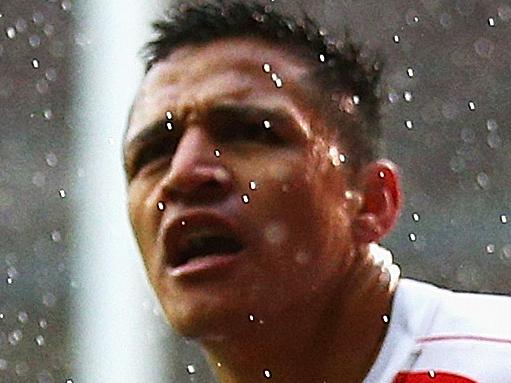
[176,234]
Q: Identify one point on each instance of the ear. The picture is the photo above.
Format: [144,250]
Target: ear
[380,188]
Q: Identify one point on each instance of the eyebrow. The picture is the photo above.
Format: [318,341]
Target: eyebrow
[272,114]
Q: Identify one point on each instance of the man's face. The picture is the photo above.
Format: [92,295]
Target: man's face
[249,149]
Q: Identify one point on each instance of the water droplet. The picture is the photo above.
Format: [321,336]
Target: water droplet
[38,18]
[410,72]
[35,63]
[322,58]
[39,339]
[431,373]
[9,280]
[278,83]
[1,315]
[49,300]
[168,115]
[267,374]
[190,369]
[490,248]
[506,253]
[183,223]
[15,337]
[493,140]
[409,124]
[161,206]
[267,124]
[266,67]
[504,12]
[66,5]
[51,159]
[62,193]
[21,25]
[503,218]
[381,174]
[22,317]
[251,318]
[169,125]
[356,100]
[34,41]
[416,217]
[217,153]
[43,323]
[491,125]
[471,105]
[10,32]
[69,380]
[342,158]
[245,198]
[252,185]
[396,39]
[48,114]
[483,180]
[407,95]
[491,22]
[412,237]
[385,319]
[393,97]
[21,368]
[484,47]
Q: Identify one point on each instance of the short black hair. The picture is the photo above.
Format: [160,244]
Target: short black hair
[340,70]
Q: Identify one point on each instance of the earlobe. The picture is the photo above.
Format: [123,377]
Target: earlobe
[381,194]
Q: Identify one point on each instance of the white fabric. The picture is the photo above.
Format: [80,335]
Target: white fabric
[466,334]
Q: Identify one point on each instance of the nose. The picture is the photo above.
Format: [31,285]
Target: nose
[196,174]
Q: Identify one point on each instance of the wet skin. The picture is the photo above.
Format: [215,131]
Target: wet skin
[301,226]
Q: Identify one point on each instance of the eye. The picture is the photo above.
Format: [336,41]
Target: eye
[260,131]
[150,153]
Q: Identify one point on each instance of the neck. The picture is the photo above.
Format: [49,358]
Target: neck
[334,337]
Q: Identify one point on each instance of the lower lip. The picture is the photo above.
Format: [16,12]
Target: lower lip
[205,264]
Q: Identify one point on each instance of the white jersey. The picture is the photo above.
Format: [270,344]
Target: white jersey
[439,336]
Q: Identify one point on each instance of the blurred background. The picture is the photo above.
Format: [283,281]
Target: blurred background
[75,305]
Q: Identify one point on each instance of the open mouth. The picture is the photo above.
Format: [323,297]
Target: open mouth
[206,244]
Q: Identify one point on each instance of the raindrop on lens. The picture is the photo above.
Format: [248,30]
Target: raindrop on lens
[491,22]
[431,373]
[503,218]
[169,125]
[491,125]
[22,317]
[490,248]
[217,153]
[9,280]
[385,319]
[322,58]
[416,217]
[35,63]
[69,381]
[190,369]
[396,39]
[251,318]
[43,323]
[393,97]
[169,115]
[161,206]
[62,193]
[410,73]
[494,141]
[10,32]
[39,340]
[412,237]
[267,124]
[278,83]
[266,68]
[409,124]
[356,99]
[483,180]
[245,198]
[407,95]
[267,374]
[471,105]
[34,41]
[15,337]
[252,185]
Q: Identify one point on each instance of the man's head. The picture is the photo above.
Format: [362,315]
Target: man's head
[258,134]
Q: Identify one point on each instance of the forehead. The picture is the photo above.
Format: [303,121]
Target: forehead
[232,69]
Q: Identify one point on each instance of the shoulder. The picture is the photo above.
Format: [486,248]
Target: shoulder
[466,333]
